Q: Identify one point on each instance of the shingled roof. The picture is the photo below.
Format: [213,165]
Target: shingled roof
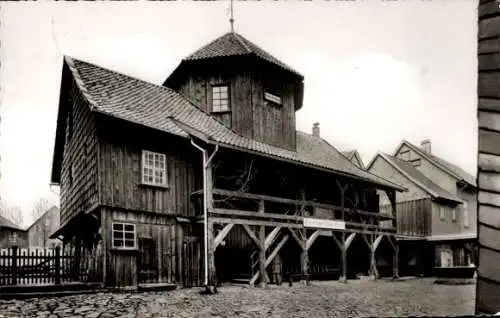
[418,178]
[233,44]
[162,108]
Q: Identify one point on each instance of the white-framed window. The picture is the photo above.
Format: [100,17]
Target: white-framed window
[123,235]
[442,214]
[454,215]
[154,168]
[272,98]
[220,98]
[465,215]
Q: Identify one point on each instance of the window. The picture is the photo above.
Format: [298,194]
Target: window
[13,237]
[123,235]
[272,98]
[441,213]
[220,99]
[154,168]
[465,215]
[454,215]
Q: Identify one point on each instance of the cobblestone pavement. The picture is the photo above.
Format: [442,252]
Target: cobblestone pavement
[321,299]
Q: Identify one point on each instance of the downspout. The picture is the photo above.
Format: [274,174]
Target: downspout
[206,162]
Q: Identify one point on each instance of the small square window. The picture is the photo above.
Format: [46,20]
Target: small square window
[123,235]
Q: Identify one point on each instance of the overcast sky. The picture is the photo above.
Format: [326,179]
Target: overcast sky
[375,72]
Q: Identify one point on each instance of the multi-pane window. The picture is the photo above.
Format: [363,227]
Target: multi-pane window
[154,168]
[220,98]
[465,215]
[123,235]
[13,237]
[441,213]
[272,98]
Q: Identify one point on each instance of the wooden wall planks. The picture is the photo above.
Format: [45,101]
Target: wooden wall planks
[488,281]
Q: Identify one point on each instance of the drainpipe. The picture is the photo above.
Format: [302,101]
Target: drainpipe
[206,162]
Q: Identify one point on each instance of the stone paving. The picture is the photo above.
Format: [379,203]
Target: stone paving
[417,297]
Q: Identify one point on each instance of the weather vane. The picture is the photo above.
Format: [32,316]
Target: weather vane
[231,19]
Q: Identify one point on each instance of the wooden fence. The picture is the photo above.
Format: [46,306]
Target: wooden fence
[41,266]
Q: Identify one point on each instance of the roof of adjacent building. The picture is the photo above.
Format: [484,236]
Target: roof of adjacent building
[418,178]
[164,109]
[234,44]
[350,154]
[4,222]
[50,210]
[444,165]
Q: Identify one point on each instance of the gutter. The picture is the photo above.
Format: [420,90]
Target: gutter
[206,162]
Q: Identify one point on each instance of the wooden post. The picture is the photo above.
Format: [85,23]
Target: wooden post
[304,263]
[395,260]
[262,250]
[343,250]
[212,274]
[14,265]
[58,266]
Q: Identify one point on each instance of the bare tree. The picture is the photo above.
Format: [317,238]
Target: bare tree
[12,213]
[40,207]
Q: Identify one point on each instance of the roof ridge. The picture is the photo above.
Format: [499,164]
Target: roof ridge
[239,38]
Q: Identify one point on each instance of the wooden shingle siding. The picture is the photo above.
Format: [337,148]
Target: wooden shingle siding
[121,170]
[488,229]
[80,195]
[250,115]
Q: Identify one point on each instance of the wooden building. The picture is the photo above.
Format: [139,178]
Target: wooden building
[12,234]
[353,155]
[138,164]
[436,217]
[39,232]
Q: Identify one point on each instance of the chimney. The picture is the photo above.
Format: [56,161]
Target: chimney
[316,130]
[425,145]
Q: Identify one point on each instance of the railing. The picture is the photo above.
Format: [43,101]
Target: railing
[20,266]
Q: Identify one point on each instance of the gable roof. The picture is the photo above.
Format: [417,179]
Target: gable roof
[351,154]
[4,222]
[164,109]
[446,166]
[51,209]
[233,44]
[416,177]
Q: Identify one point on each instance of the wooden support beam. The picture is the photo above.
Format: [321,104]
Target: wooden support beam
[271,257]
[343,251]
[251,234]
[312,238]
[272,236]
[377,241]
[262,252]
[212,273]
[297,239]
[395,261]
[222,235]
[349,240]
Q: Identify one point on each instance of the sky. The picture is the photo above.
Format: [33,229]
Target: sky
[376,72]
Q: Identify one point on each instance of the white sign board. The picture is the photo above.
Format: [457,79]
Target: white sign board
[324,224]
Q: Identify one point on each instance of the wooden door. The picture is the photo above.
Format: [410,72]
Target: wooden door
[148,261]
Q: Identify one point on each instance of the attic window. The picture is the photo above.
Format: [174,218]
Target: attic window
[220,98]
[272,98]
[416,162]
[404,155]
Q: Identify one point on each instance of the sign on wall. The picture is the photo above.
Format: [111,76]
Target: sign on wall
[324,224]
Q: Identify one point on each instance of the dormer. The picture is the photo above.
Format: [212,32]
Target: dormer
[246,88]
